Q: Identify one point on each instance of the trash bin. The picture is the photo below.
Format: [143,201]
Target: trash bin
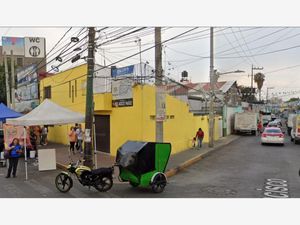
[32,154]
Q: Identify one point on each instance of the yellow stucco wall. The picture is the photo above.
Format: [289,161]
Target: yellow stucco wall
[181,130]
[126,123]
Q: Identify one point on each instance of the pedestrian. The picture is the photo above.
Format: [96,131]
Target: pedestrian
[44,135]
[259,127]
[79,134]
[14,152]
[199,137]
[72,139]
[37,132]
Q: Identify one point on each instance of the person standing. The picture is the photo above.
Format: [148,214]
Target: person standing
[79,134]
[15,151]
[44,135]
[199,137]
[37,132]
[72,139]
[259,127]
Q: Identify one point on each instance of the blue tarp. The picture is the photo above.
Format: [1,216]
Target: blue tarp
[7,113]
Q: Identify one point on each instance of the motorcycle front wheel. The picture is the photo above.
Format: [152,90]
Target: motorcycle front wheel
[63,182]
[103,184]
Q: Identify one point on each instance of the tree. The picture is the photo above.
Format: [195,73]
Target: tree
[2,85]
[293,99]
[247,94]
[259,79]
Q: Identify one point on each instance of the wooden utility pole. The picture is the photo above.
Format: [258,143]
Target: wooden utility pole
[89,111]
[212,90]
[13,83]
[6,81]
[159,96]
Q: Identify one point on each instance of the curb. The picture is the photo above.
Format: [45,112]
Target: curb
[189,162]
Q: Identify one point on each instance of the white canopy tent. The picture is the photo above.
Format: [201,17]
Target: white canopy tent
[47,113]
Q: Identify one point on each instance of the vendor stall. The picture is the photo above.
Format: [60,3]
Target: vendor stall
[47,113]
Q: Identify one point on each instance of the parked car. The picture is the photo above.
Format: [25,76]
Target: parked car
[272,135]
[275,123]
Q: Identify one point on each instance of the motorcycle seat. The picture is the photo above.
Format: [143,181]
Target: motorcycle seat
[103,171]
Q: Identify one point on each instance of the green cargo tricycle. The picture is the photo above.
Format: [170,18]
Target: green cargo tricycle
[143,164]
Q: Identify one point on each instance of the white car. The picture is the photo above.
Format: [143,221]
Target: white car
[272,135]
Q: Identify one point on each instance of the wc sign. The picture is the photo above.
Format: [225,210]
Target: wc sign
[34,47]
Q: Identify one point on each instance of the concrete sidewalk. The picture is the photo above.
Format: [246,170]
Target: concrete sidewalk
[177,162]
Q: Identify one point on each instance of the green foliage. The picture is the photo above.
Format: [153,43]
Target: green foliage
[293,99]
[2,85]
[247,94]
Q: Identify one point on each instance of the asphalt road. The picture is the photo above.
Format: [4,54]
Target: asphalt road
[239,170]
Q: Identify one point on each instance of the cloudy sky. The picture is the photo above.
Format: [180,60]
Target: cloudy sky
[276,49]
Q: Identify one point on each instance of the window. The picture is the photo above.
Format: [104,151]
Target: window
[20,62]
[47,92]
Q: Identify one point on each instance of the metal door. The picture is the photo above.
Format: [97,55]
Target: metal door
[102,127]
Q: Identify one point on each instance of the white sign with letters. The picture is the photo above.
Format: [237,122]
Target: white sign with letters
[34,47]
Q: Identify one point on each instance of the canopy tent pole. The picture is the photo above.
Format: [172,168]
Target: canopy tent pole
[95,146]
[25,147]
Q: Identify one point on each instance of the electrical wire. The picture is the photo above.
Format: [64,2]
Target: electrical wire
[147,49]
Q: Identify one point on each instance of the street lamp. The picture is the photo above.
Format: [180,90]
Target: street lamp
[218,74]
[214,78]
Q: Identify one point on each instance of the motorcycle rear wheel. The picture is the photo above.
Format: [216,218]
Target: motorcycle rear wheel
[63,182]
[103,184]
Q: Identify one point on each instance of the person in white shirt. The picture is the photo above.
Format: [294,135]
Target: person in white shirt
[79,134]
[44,135]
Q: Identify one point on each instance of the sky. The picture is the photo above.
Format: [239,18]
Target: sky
[276,49]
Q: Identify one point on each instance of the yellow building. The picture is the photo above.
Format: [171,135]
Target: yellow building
[115,125]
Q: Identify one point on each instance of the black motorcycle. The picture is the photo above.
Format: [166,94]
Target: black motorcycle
[101,179]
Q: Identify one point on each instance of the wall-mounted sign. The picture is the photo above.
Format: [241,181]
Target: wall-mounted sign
[34,47]
[128,70]
[15,44]
[122,86]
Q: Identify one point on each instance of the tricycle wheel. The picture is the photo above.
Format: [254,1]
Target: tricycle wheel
[158,182]
[103,184]
[63,182]
[133,184]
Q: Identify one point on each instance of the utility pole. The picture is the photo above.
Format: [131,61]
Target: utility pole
[212,90]
[13,83]
[139,42]
[159,95]
[6,81]
[89,110]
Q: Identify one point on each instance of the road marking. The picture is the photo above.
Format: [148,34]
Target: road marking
[276,188]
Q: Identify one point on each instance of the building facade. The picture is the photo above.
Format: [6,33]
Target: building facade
[115,125]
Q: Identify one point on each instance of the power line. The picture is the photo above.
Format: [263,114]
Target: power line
[255,40]
[264,53]
[272,43]
[235,47]
[147,49]
[247,46]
